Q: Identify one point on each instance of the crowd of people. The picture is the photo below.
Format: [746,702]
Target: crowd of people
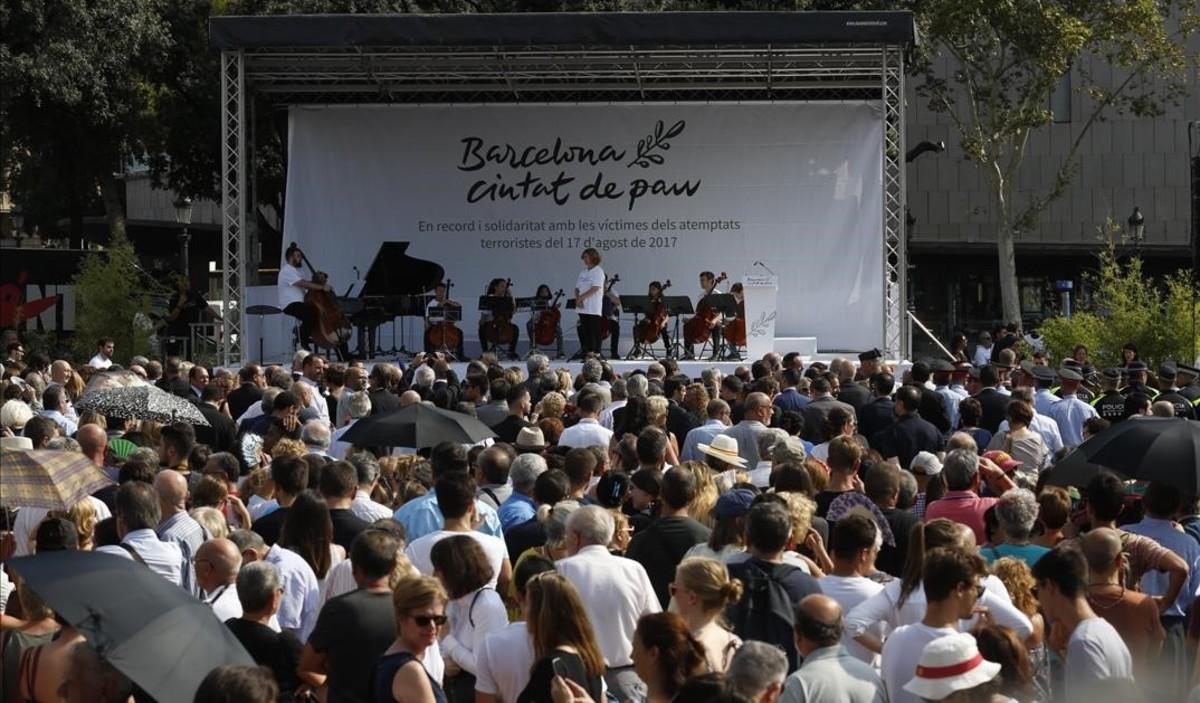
[798,532]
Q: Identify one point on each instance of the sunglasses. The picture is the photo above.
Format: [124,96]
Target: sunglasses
[427,620]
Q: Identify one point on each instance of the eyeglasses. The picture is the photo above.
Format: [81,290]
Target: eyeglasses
[427,620]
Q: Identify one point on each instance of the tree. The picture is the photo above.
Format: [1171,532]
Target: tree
[75,103]
[1008,56]
[113,302]
[1126,305]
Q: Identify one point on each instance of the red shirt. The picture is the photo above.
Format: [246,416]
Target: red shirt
[962,506]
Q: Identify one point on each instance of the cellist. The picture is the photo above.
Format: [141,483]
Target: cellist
[659,312]
[545,295]
[292,286]
[496,323]
[441,301]
[708,284]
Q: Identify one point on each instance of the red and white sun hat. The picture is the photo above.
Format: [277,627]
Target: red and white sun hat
[948,664]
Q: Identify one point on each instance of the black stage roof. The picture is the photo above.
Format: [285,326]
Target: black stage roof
[623,29]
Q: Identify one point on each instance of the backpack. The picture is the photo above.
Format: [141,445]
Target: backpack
[765,611]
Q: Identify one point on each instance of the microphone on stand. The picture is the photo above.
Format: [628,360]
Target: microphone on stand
[764,266]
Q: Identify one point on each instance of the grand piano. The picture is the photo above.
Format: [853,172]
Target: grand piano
[394,287]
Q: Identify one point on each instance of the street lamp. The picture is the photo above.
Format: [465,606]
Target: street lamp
[1137,226]
[17,217]
[183,215]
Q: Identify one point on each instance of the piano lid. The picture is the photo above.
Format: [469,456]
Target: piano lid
[394,272]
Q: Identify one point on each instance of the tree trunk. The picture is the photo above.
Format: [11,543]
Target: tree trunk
[1010,301]
[114,209]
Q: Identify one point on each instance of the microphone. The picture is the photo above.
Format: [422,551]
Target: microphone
[764,266]
[357,275]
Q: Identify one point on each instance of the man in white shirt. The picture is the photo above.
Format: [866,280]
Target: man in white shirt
[589,295]
[588,432]
[717,422]
[854,543]
[137,516]
[54,408]
[217,563]
[1095,651]
[456,500]
[312,372]
[301,591]
[953,582]
[619,399]
[755,416]
[504,659]
[983,350]
[363,506]
[615,592]
[292,288]
[1070,412]
[104,351]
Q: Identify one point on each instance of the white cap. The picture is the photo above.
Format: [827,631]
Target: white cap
[926,464]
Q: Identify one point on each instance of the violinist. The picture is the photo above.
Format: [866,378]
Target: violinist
[440,302]
[545,295]
[292,287]
[708,286]
[495,326]
[611,309]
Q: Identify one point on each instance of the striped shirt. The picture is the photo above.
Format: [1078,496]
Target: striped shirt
[163,558]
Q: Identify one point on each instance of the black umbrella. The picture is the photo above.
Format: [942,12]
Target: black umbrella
[417,426]
[154,632]
[1142,448]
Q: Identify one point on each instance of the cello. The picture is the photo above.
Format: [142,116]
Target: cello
[698,329]
[444,334]
[545,330]
[606,306]
[500,329]
[735,331]
[330,328]
[650,329]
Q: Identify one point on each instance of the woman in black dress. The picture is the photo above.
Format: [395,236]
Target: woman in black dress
[564,643]
[400,675]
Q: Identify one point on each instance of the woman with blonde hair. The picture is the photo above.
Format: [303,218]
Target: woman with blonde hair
[695,401]
[419,604]
[552,406]
[212,520]
[701,591]
[564,643]
[83,516]
[1018,579]
[706,492]
[658,410]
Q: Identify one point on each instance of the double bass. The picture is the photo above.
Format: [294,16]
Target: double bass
[330,328]
[443,334]
[545,330]
[500,329]
[698,329]
[606,308]
[650,329]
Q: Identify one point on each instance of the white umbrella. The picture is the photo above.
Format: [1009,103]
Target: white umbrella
[141,403]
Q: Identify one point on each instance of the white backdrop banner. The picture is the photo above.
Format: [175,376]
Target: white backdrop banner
[664,191]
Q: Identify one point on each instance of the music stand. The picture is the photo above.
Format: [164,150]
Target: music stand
[443,313]
[640,306]
[262,311]
[677,306]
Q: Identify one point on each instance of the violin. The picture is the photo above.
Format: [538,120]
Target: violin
[443,334]
[650,328]
[545,330]
[606,307]
[698,329]
[330,327]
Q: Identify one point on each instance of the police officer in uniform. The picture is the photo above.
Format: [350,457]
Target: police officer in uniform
[1110,405]
[1135,374]
[1167,373]
[1083,392]
[1188,380]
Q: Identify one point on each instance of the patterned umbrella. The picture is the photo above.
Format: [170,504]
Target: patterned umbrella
[49,479]
[113,379]
[141,403]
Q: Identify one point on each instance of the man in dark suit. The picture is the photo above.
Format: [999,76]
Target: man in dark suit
[679,420]
[880,413]
[910,433]
[932,408]
[994,403]
[816,411]
[380,384]
[851,393]
[253,380]
[221,432]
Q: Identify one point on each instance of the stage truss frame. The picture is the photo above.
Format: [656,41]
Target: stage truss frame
[532,73]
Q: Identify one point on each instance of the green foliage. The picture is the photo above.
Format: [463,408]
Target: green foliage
[1128,306]
[113,302]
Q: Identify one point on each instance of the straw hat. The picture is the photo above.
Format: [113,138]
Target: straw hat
[724,448]
[530,439]
[17,442]
[949,664]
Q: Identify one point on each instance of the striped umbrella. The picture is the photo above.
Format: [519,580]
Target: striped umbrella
[45,478]
[141,403]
